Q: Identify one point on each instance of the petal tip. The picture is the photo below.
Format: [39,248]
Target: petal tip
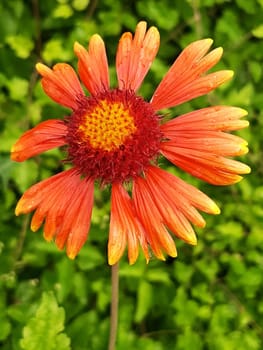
[17,211]
[48,237]
[209,41]
[112,260]
[193,241]
[14,156]
[72,255]
[19,207]
[229,74]
[34,228]
[174,254]
[247,170]
[77,48]
[97,39]
[215,209]
[243,112]
[41,68]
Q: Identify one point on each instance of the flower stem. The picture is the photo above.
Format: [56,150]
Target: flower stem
[114,306]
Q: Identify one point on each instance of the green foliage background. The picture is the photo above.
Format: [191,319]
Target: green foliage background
[210,297]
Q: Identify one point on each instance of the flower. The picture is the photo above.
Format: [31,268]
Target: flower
[115,137]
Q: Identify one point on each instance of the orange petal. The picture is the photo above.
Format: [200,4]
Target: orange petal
[35,194]
[124,228]
[148,214]
[185,81]
[183,192]
[61,84]
[93,65]
[215,142]
[45,136]
[205,165]
[198,87]
[175,213]
[221,118]
[51,192]
[82,218]
[66,201]
[135,56]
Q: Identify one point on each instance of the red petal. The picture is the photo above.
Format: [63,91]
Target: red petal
[135,56]
[93,65]
[61,84]
[185,81]
[34,195]
[213,142]
[82,217]
[43,137]
[66,201]
[124,228]
[158,237]
[185,192]
[207,166]
[216,118]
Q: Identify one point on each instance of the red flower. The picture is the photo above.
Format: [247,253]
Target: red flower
[116,137]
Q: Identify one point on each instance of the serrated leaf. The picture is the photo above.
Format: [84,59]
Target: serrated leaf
[43,331]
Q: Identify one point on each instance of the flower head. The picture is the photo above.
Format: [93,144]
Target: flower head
[115,137]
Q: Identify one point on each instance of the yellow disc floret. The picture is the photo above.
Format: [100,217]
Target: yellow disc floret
[108,125]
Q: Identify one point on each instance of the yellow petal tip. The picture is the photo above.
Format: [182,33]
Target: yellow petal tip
[208,41]
[112,262]
[72,255]
[229,74]
[34,228]
[192,240]
[215,209]
[79,50]
[40,67]
[96,38]
[248,170]
[18,209]
[243,112]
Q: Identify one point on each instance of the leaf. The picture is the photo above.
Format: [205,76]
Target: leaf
[158,12]
[24,174]
[189,340]
[144,297]
[18,88]
[43,331]
[55,50]
[80,5]
[63,11]
[22,45]
[158,275]
[258,31]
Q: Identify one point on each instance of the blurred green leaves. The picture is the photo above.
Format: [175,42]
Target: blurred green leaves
[44,330]
[22,45]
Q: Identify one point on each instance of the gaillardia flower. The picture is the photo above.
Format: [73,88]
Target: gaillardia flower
[115,137]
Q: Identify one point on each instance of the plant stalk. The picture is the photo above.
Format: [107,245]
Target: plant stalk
[114,306]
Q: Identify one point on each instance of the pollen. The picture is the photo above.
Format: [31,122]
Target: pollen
[108,125]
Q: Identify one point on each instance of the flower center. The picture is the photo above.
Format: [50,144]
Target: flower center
[108,125]
[113,136]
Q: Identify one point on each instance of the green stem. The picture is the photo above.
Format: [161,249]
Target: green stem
[114,306]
